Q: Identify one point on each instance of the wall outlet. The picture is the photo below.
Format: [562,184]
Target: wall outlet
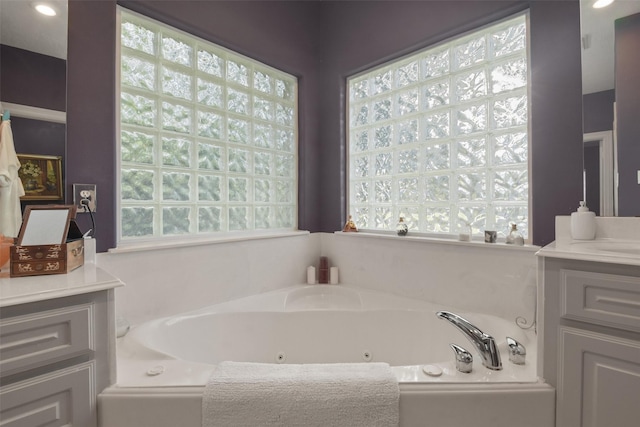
[84,192]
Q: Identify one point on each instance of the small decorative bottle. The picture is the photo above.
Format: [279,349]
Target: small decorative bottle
[583,223]
[402,228]
[514,237]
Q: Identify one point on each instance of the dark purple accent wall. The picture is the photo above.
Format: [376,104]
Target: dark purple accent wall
[592,176]
[29,78]
[322,43]
[627,54]
[597,111]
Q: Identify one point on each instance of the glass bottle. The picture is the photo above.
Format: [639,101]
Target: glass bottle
[514,237]
[402,228]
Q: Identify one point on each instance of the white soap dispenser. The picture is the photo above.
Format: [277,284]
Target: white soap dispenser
[583,223]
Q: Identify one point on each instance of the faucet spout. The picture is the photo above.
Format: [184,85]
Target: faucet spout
[484,343]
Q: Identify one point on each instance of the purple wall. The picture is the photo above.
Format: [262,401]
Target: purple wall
[597,111]
[322,43]
[627,55]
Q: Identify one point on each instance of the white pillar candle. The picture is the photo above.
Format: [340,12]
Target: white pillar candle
[311,275]
[333,276]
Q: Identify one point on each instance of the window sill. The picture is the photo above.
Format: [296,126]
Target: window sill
[438,241]
[150,245]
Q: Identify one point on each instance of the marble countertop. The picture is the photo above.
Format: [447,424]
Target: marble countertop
[88,278]
[614,251]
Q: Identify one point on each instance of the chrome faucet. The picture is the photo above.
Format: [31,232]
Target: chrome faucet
[485,344]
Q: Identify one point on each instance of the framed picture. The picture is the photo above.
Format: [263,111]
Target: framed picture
[41,177]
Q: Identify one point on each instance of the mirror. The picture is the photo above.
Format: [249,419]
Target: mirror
[598,83]
[45,225]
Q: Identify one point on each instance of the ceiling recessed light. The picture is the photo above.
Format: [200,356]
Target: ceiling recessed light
[602,3]
[45,9]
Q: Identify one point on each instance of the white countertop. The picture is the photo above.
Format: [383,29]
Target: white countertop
[614,251]
[88,278]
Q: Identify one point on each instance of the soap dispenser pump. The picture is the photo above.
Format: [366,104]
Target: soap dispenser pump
[583,223]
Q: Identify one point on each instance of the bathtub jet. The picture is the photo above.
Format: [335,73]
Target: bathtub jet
[484,343]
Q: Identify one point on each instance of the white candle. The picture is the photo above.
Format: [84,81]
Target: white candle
[311,275]
[333,276]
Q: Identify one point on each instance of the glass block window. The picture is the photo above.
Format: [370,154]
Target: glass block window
[208,137]
[441,137]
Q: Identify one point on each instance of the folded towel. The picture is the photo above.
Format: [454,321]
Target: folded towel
[242,394]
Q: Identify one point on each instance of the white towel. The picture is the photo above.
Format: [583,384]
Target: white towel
[242,394]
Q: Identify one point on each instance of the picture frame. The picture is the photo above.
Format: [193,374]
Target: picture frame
[45,224]
[41,177]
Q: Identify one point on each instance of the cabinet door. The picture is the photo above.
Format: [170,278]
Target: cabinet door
[599,380]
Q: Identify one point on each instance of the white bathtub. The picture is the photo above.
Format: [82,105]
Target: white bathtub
[164,364]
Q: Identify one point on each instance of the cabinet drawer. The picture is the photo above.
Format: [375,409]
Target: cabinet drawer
[604,299]
[61,398]
[38,339]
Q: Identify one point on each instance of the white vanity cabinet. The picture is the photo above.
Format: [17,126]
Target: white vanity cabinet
[57,347]
[590,332]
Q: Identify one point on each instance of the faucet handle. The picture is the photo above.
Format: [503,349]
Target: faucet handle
[464,359]
[517,352]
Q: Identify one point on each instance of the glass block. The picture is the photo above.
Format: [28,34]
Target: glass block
[411,215]
[511,185]
[175,220]
[511,148]
[238,189]
[471,85]
[262,163]
[472,186]
[137,110]
[176,84]
[263,136]
[408,161]
[209,125]
[384,164]
[136,147]
[384,219]
[382,190]
[262,217]
[136,221]
[382,82]
[262,190]
[437,157]
[472,153]
[210,63]
[382,137]
[139,38]
[470,52]
[210,157]
[407,74]
[176,186]
[284,114]
[238,130]
[472,118]
[210,94]
[382,110]
[285,140]
[509,75]
[176,117]
[436,64]
[407,102]
[238,160]
[407,131]
[408,190]
[512,214]
[137,184]
[177,51]
[238,218]
[359,90]
[262,109]
[209,219]
[360,141]
[436,94]
[437,188]
[285,89]
[284,217]
[361,166]
[209,188]
[237,102]
[360,115]
[361,217]
[436,125]
[176,152]
[510,112]
[509,40]
[262,82]
[438,219]
[284,191]
[285,165]
[360,192]
[138,73]
[237,73]
[475,216]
